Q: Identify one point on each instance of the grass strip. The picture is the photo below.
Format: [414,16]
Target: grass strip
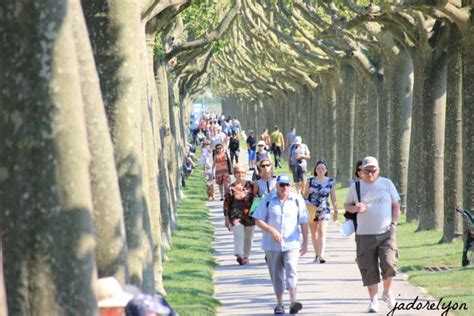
[189,270]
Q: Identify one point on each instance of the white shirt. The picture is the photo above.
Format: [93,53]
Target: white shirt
[378,197]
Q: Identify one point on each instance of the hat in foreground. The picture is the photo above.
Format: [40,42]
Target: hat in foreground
[283,178]
[111,294]
[298,140]
[370,161]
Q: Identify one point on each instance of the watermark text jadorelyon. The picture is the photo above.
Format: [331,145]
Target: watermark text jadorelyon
[443,307]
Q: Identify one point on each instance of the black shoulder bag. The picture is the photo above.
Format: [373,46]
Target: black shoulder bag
[353,216]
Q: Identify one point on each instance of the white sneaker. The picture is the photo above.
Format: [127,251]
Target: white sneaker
[374,306]
[390,300]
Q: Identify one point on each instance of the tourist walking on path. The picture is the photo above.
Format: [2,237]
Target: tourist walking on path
[251,148]
[234,147]
[298,153]
[237,203]
[278,145]
[221,169]
[290,137]
[282,216]
[266,138]
[320,187]
[261,153]
[377,216]
[266,182]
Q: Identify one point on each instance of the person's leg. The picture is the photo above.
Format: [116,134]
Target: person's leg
[239,231]
[373,291]
[237,153]
[248,238]
[278,156]
[291,258]
[322,228]
[313,231]
[221,190]
[277,273]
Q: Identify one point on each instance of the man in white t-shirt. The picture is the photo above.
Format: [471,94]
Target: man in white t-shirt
[378,212]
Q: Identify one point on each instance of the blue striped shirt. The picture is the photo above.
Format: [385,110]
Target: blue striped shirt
[286,217]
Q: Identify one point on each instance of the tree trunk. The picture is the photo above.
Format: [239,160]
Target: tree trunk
[431,217]
[453,141]
[416,200]
[44,183]
[165,182]
[346,115]
[113,28]
[468,116]
[402,100]
[111,251]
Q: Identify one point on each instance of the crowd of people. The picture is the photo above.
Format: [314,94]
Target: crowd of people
[288,211]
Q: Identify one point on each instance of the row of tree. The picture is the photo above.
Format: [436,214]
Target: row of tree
[391,79]
[94,99]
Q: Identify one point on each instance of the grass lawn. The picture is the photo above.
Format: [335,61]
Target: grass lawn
[188,272]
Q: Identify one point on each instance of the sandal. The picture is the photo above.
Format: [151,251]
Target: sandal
[295,307]
[240,261]
[245,260]
[279,309]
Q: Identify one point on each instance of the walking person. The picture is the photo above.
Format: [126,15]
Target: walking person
[278,145]
[320,187]
[261,153]
[282,216]
[290,137]
[266,182]
[221,169]
[251,148]
[237,203]
[298,153]
[266,138]
[377,216]
[234,147]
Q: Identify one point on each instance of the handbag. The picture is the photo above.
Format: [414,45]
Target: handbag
[350,224]
[347,228]
[255,204]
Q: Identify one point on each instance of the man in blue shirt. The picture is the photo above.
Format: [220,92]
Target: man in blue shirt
[282,216]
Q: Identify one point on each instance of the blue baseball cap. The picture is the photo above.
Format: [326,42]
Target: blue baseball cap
[283,178]
[144,304]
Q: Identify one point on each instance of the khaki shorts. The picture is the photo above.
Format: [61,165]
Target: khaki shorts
[371,249]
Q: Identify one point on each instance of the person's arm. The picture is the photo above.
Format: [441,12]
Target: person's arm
[334,203]
[306,191]
[255,188]
[272,231]
[282,142]
[395,213]
[214,166]
[227,204]
[304,244]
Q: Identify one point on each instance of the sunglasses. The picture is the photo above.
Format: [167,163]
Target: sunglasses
[369,171]
[260,145]
[218,148]
[282,185]
[265,165]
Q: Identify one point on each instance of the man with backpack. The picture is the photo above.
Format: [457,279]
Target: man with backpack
[378,210]
[282,216]
[298,153]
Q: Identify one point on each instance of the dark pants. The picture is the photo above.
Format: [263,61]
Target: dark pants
[234,155]
[277,155]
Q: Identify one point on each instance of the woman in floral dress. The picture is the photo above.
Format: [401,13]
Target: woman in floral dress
[317,192]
